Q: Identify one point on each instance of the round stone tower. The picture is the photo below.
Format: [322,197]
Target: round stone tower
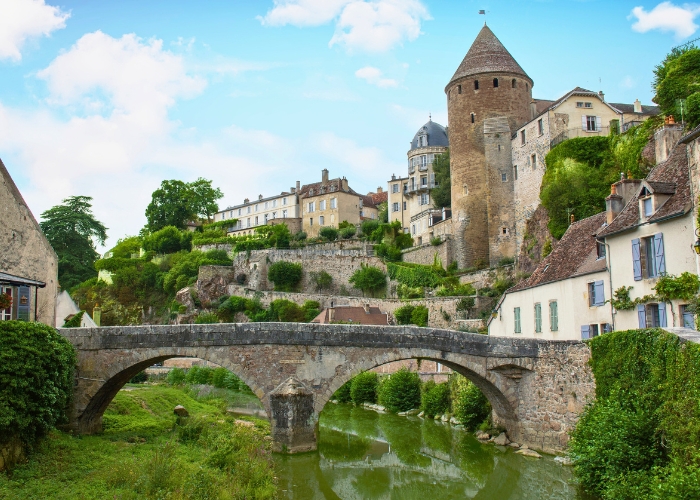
[487,98]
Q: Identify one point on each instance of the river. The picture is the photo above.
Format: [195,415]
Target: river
[366,455]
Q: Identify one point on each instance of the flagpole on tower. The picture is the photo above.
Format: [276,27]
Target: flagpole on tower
[483,12]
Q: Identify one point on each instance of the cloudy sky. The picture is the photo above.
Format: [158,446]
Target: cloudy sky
[107,99]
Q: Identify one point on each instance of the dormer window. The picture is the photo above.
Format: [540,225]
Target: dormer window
[646,199]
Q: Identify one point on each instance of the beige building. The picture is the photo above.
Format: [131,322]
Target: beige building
[330,202]
[565,297]
[282,208]
[409,200]
[28,264]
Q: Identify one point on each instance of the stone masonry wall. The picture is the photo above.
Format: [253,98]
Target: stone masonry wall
[425,254]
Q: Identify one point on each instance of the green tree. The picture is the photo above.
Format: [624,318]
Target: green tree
[176,202]
[369,279]
[284,275]
[71,228]
[676,79]
[442,194]
[400,391]
[383,212]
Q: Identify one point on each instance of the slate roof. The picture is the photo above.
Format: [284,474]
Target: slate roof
[11,279]
[670,177]
[351,314]
[487,55]
[629,108]
[437,135]
[574,255]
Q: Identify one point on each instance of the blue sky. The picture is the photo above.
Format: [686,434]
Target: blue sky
[107,99]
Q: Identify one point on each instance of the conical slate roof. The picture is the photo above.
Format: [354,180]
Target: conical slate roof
[437,135]
[487,55]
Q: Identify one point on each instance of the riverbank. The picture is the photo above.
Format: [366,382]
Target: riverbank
[146,451]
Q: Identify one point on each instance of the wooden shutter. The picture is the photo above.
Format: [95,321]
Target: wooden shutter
[599,293]
[642,315]
[637,259]
[597,123]
[516,315]
[659,258]
[662,315]
[584,124]
[585,332]
[538,317]
[553,316]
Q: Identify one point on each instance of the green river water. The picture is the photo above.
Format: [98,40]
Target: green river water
[366,455]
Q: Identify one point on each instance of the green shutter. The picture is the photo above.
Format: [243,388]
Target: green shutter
[538,318]
[554,316]
[516,314]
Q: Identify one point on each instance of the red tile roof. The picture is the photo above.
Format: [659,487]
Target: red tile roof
[351,314]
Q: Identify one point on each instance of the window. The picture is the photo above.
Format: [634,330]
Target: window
[248,209]
[504,177]
[413,229]
[589,331]
[239,212]
[248,223]
[476,84]
[395,207]
[527,87]
[284,201]
[423,180]
[588,105]
[687,317]
[223,215]
[6,314]
[600,249]
[424,199]
[515,172]
[394,188]
[495,82]
[459,89]
[648,204]
[533,161]
[311,221]
[311,207]
[596,294]
[538,318]
[590,123]
[321,220]
[472,117]
[266,204]
[516,318]
[652,315]
[540,126]
[284,214]
[522,137]
[274,203]
[322,205]
[274,215]
[513,83]
[265,219]
[648,258]
[504,231]
[553,316]
[256,220]
[404,205]
[257,207]
[333,203]
[579,104]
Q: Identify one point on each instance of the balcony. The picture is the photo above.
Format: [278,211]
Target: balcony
[417,188]
[423,168]
[411,169]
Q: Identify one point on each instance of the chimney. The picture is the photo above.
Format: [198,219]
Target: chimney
[298,187]
[380,190]
[601,95]
[246,200]
[324,175]
[259,197]
[393,177]
[637,106]
[614,203]
[344,183]
[366,308]
[533,109]
[291,190]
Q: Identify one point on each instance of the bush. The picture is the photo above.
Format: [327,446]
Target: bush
[286,311]
[322,279]
[435,399]
[436,241]
[285,275]
[347,232]
[300,236]
[328,233]
[139,378]
[403,315]
[168,240]
[417,274]
[419,316]
[199,375]
[407,292]
[342,395]
[471,407]
[369,279]
[228,308]
[400,391]
[363,388]
[36,377]
[311,308]
[368,227]
[176,376]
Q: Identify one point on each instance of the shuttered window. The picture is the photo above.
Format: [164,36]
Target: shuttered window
[591,123]
[642,316]
[516,317]
[554,316]
[585,332]
[659,257]
[637,260]
[538,318]
[596,294]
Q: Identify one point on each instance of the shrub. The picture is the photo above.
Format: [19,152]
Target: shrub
[419,316]
[322,279]
[300,236]
[368,227]
[329,233]
[403,314]
[286,311]
[176,376]
[342,395]
[347,232]
[199,375]
[205,318]
[400,391]
[228,308]
[435,399]
[369,279]
[471,407]
[407,292]
[436,241]
[417,274]
[363,388]
[389,253]
[139,378]
[285,275]
[311,308]
[36,377]
[168,240]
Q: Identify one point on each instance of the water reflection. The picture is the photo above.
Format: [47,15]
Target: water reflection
[365,455]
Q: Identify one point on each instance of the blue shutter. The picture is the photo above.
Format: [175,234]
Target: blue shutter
[636,259]
[599,293]
[642,314]
[662,314]
[585,332]
[659,257]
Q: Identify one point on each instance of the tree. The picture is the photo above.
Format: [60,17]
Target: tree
[675,80]
[442,193]
[369,279]
[176,202]
[71,228]
[383,212]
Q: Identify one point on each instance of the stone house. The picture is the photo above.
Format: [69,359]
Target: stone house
[28,263]
[409,197]
[278,209]
[330,202]
[565,297]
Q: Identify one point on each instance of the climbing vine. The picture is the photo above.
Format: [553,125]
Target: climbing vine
[667,288]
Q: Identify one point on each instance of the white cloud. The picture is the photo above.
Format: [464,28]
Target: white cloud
[23,19]
[628,82]
[373,76]
[667,17]
[365,25]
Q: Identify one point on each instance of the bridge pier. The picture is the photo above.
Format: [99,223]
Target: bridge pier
[292,421]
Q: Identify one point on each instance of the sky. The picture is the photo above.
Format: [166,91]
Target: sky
[107,99]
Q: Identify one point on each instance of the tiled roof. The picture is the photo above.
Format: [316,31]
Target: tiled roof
[629,108]
[487,55]
[672,172]
[574,255]
[331,186]
[378,198]
[350,314]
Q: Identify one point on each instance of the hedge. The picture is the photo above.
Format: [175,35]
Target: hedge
[364,388]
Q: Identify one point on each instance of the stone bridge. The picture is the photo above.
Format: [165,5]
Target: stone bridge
[537,388]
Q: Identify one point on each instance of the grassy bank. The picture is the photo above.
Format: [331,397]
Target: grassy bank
[145,453]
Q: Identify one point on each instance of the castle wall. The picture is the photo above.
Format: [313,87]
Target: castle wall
[468,169]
